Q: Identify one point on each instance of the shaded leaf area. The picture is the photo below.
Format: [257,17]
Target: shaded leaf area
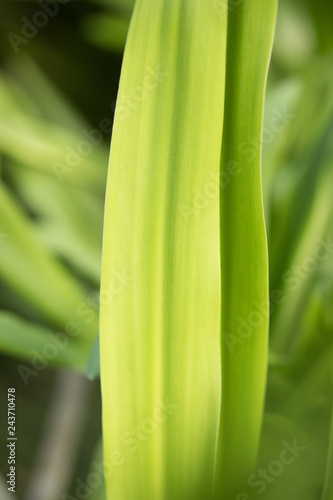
[244,255]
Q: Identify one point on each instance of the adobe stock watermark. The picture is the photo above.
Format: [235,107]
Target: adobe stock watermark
[293,278]
[280,120]
[128,102]
[75,155]
[31,27]
[201,198]
[118,282]
[130,442]
[262,478]
[93,138]
[41,358]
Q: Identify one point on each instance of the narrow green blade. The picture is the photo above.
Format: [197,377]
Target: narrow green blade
[160,336]
[243,246]
[30,342]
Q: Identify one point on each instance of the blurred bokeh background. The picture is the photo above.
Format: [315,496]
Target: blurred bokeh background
[59,71]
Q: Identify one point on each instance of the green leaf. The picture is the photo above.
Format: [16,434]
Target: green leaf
[313,246]
[39,93]
[160,336]
[27,341]
[244,266]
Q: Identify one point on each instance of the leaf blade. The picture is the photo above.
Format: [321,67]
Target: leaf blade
[244,259]
[166,326]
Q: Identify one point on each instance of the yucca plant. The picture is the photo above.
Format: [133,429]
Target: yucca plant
[182,411]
